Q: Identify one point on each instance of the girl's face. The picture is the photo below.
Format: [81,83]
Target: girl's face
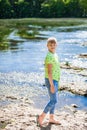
[52,47]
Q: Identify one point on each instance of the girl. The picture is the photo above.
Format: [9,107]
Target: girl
[52,76]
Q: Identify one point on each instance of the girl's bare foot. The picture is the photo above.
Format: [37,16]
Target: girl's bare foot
[40,119]
[52,121]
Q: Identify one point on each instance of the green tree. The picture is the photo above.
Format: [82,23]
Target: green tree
[52,8]
[34,7]
[72,9]
[13,4]
[57,8]
[30,6]
[23,9]
[5,9]
[43,8]
[83,5]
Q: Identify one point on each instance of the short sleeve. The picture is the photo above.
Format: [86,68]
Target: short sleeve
[49,59]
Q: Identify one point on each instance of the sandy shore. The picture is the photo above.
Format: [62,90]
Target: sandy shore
[23,117]
[19,113]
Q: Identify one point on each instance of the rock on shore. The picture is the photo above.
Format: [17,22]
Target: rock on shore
[83,55]
[74,79]
[23,117]
[84,44]
[75,88]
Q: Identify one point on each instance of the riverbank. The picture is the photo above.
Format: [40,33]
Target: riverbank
[18,86]
[22,75]
[22,25]
[77,84]
[23,117]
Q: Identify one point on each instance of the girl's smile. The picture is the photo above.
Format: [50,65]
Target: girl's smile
[52,46]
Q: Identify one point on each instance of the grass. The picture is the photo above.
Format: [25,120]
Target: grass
[27,34]
[8,25]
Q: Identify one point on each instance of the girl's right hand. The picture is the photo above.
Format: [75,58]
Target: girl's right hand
[52,89]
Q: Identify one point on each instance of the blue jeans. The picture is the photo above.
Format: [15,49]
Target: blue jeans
[50,107]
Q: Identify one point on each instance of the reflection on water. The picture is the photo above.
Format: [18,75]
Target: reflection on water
[22,66]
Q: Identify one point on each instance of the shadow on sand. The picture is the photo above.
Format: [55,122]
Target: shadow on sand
[47,127]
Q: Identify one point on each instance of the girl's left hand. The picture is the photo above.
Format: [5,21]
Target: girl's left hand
[52,89]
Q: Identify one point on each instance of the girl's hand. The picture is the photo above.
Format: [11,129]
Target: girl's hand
[52,89]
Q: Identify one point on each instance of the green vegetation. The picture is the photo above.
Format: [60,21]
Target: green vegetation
[4,45]
[67,63]
[25,31]
[43,8]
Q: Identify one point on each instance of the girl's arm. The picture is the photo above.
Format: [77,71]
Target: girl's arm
[52,88]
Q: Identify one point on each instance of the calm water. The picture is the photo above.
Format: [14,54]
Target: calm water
[22,66]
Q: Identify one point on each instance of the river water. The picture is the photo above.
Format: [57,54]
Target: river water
[22,66]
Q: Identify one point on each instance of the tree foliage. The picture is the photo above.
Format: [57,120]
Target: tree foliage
[43,8]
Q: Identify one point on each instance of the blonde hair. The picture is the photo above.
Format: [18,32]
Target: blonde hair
[52,40]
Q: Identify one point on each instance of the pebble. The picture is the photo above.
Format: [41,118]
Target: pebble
[12,97]
[74,105]
[25,118]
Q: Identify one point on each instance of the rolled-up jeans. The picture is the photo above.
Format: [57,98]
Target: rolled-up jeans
[50,107]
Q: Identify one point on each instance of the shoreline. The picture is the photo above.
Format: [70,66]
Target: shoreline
[23,117]
[17,88]
[71,80]
[13,91]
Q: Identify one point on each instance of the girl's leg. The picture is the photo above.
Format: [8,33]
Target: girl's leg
[52,110]
[53,97]
[43,114]
[41,118]
[56,93]
[52,120]
[51,105]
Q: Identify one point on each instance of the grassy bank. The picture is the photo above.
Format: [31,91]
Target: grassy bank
[8,25]
[43,22]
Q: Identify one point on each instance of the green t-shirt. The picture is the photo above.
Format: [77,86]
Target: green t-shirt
[52,58]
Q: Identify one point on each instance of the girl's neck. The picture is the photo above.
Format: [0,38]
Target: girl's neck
[52,52]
